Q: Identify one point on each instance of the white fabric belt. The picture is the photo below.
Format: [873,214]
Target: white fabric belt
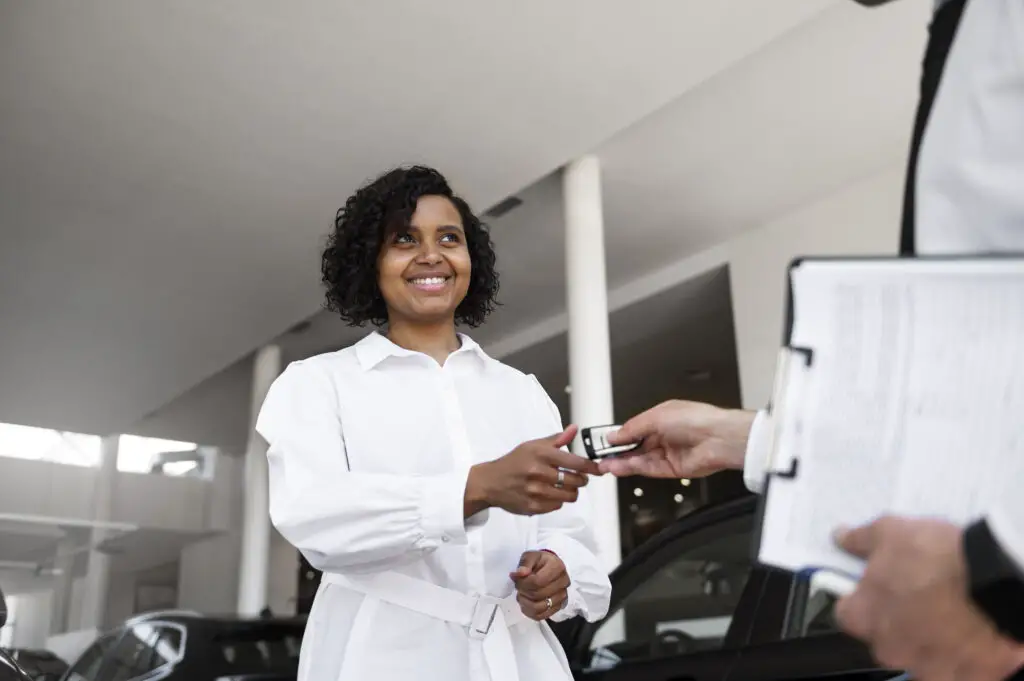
[487,619]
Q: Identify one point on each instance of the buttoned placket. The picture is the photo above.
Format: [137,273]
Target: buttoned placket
[462,453]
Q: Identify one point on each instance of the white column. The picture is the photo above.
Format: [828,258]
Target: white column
[97,576]
[255,559]
[63,581]
[590,362]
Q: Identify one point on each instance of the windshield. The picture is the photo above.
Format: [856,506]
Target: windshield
[258,647]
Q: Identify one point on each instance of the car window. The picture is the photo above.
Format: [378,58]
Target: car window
[87,667]
[687,604]
[814,614]
[146,647]
[259,647]
[167,646]
[130,657]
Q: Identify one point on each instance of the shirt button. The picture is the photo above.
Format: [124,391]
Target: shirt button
[445,538]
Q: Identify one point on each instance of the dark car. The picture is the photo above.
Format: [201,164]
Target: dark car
[40,665]
[691,604]
[185,646]
[9,669]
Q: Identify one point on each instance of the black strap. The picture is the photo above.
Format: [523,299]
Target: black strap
[941,34]
[996,581]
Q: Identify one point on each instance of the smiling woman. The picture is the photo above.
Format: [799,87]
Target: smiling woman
[427,481]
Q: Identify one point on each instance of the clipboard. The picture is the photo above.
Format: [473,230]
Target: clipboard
[796,363]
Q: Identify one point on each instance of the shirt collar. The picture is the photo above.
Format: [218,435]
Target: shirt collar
[375,348]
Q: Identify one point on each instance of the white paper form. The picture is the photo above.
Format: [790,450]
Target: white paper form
[913,402]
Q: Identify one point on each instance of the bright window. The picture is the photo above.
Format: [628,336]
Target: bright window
[139,454]
[43,444]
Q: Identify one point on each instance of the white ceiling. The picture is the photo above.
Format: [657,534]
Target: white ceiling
[168,170]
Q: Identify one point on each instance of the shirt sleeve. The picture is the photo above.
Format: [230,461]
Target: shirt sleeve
[755,461]
[340,520]
[566,533]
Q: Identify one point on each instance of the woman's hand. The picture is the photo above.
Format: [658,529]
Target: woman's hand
[535,477]
[542,584]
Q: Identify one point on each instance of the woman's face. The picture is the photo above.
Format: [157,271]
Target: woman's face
[424,273]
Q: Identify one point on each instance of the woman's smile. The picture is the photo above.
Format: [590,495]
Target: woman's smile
[431,284]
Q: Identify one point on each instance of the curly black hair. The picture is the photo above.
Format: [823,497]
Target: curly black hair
[375,212]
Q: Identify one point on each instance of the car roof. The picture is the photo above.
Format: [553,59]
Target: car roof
[705,515]
[190,619]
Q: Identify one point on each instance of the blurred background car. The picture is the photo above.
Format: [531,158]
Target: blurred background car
[180,646]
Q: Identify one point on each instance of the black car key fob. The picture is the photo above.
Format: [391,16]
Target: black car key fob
[597,447]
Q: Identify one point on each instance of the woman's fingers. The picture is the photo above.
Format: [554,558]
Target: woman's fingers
[549,590]
[539,610]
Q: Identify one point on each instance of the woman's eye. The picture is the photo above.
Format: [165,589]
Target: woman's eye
[403,239]
[450,238]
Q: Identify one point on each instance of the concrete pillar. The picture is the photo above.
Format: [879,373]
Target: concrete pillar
[97,576]
[63,581]
[255,559]
[590,362]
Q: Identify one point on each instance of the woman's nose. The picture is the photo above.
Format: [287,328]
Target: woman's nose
[430,255]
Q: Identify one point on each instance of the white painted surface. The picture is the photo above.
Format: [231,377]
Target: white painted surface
[590,363]
[255,559]
[861,219]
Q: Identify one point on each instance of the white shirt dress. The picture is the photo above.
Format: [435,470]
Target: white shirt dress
[369,451]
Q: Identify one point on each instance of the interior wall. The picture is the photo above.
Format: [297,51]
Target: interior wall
[53,490]
[208,569]
[862,219]
[215,412]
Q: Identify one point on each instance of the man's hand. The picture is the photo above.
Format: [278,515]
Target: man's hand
[681,440]
[541,584]
[913,608]
[535,477]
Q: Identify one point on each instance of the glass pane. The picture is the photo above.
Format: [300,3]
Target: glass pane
[168,646]
[687,605]
[130,657]
[261,647]
[43,444]
[88,665]
[818,615]
[137,454]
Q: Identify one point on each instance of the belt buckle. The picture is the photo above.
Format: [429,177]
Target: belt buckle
[484,612]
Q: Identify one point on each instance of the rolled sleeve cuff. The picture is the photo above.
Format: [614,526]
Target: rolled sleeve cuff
[442,500]
[586,576]
[755,461]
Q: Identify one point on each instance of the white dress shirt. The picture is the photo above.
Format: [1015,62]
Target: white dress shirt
[369,452]
[970,183]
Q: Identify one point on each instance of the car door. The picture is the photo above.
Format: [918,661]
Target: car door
[682,604]
[799,639]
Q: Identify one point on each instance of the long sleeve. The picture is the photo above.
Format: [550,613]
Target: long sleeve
[755,462]
[340,520]
[566,533]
